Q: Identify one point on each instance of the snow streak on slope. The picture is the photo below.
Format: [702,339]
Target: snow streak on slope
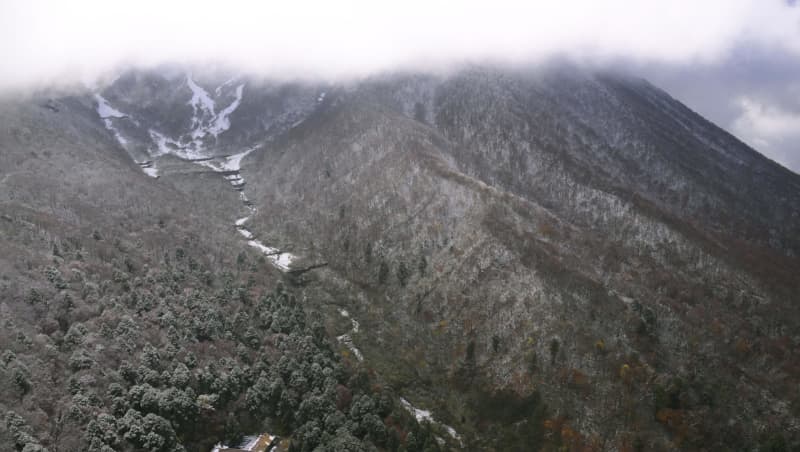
[108,114]
[221,122]
[204,122]
[347,339]
[191,145]
[149,168]
[218,89]
[201,103]
[105,110]
[231,165]
[425,415]
[234,162]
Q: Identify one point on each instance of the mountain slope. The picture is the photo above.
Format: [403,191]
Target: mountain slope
[136,318]
[531,258]
[553,230]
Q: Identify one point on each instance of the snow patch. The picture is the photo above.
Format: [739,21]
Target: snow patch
[110,126]
[419,415]
[283,260]
[218,90]
[626,300]
[261,247]
[152,171]
[234,162]
[107,113]
[452,432]
[346,339]
[205,120]
[348,342]
[425,415]
[200,99]
[161,144]
[276,257]
[105,110]
[353,322]
[165,145]
[221,123]
[228,163]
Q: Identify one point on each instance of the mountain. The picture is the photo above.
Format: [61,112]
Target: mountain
[529,259]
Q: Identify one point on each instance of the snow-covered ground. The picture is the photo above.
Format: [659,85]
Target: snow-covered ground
[348,342]
[425,415]
[344,313]
[218,90]
[228,164]
[105,110]
[275,256]
[205,121]
[151,171]
[233,163]
[200,98]
[420,415]
[108,113]
[221,122]
[120,139]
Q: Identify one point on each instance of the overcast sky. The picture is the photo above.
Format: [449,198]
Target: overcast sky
[737,62]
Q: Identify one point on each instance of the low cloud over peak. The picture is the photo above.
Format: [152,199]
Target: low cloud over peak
[42,39]
[693,49]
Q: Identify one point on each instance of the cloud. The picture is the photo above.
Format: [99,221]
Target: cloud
[706,53]
[749,92]
[774,131]
[43,40]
